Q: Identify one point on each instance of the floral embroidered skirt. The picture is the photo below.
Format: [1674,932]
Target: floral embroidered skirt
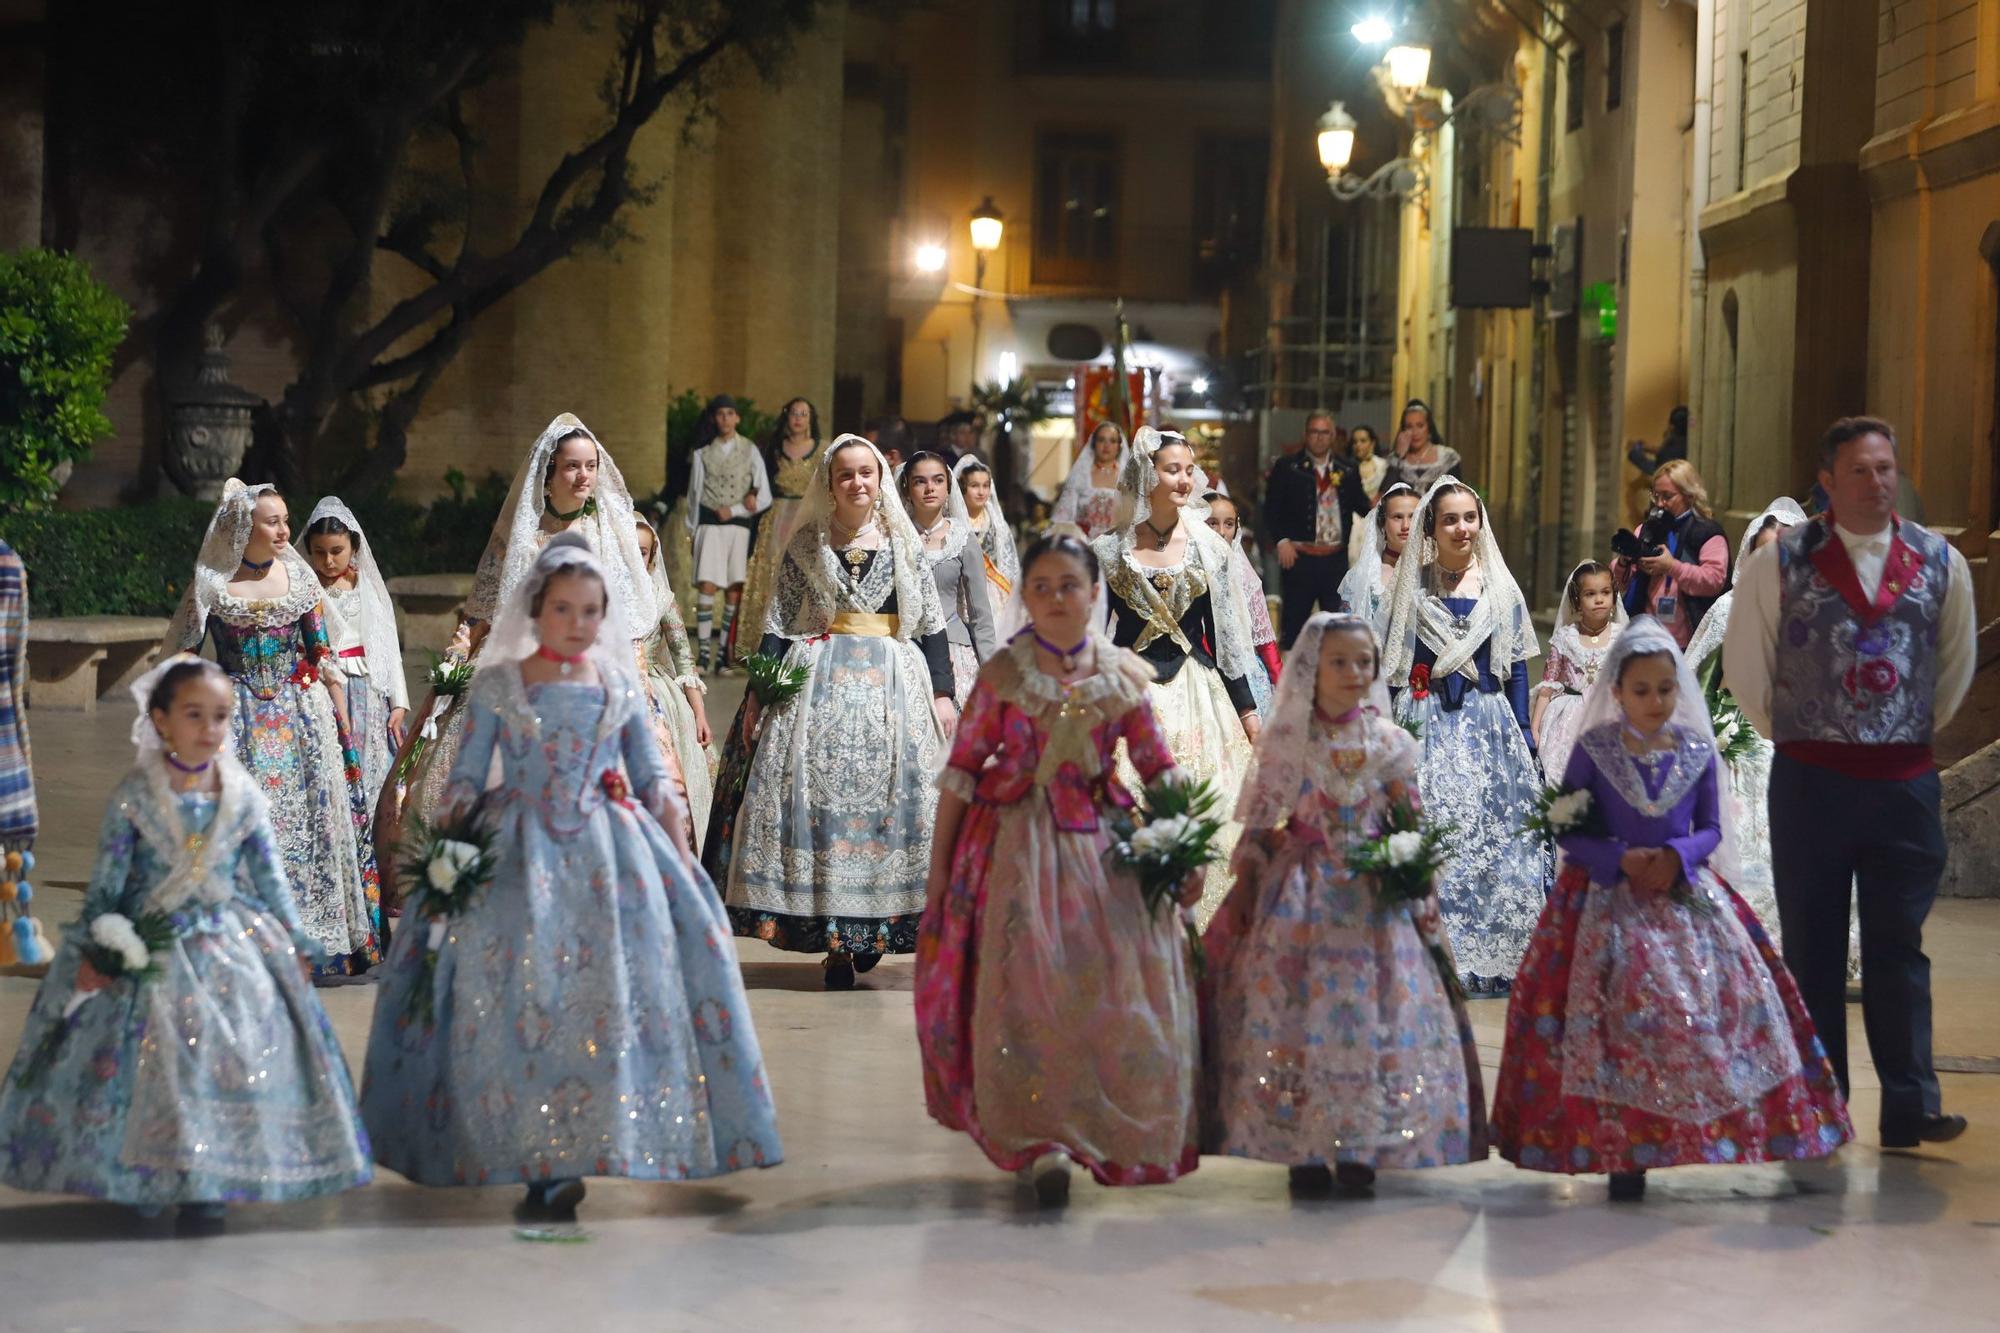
[1642,1034]
[694,765]
[1201,728]
[831,843]
[218,1082]
[1054,1010]
[1330,1034]
[585,1017]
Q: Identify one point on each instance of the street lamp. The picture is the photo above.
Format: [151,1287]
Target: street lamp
[1336,139]
[1409,67]
[987,229]
[930,257]
[1402,177]
[1373,30]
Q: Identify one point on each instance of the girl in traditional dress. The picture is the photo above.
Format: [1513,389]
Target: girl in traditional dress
[1055,1010]
[1334,1043]
[1383,533]
[215,1079]
[679,695]
[362,623]
[832,842]
[1175,599]
[1457,651]
[1750,774]
[1089,498]
[1421,456]
[996,539]
[1226,521]
[790,455]
[726,491]
[261,602]
[567,483]
[955,560]
[1588,619]
[585,1016]
[1652,1023]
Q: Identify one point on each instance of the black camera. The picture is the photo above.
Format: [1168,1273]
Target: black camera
[1651,539]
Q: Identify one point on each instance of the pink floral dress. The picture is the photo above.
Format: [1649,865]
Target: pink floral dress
[1055,1012]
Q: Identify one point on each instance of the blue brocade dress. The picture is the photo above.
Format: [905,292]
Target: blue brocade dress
[219,1081]
[589,1018]
[1479,777]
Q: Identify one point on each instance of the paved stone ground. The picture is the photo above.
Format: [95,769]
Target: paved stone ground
[882,1221]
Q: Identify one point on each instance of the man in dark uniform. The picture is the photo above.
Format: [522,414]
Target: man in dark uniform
[1309,501]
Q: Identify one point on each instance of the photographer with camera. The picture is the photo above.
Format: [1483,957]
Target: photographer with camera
[1677,564]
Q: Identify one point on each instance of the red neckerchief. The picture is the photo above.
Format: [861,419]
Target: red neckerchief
[1900,570]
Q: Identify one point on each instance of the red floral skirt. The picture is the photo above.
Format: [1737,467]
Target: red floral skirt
[1540,1121]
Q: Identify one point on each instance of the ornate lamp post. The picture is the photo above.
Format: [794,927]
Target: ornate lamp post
[987,228]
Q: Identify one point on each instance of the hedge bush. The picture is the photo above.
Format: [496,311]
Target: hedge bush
[59,327]
[137,560]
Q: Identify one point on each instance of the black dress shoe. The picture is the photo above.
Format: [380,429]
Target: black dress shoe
[865,962]
[839,972]
[1931,1129]
[1356,1178]
[1628,1186]
[1313,1180]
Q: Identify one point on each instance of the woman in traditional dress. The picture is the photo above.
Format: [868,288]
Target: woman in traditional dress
[1653,1023]
[218,1078]
[1368,461]
[1226,522]
[1588,618]
[996,539]
[1334,1044]
[1174,599]
[362,623]
[567,483]
[1750,770]
[1457,655]
[1421,456]
[1089,498]
[679,695]
[261,602]
[1382,534]
[930,489]
[832,842]
[583,1014]
[790,455]
[1055,1009]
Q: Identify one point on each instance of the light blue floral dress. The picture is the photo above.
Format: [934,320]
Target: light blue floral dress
[589,1018]
[219,1081]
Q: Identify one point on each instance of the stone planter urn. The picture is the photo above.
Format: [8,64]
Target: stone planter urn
[209,423]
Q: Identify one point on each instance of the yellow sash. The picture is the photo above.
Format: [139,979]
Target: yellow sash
[865,624]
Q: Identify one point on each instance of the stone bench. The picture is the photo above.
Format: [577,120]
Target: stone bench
[428,608]
[73,661]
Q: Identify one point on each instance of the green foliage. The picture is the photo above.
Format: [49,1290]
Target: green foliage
[684,418]
[1018,402]
[59,328]
[136,561]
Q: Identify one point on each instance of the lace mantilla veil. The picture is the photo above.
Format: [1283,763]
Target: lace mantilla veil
[1708,636]
[664,600]
[1206,549]
[1284,758]
[807,595]
[1365,561]
[1076,487]
[378,630]
[999,539]
[513,638]
[1566,614]
[220,557]
[1501,613]
[1599,731]
[612,530]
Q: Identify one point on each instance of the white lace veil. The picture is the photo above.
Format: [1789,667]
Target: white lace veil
[1076,487]
[378,629]
[805,599]
[610,529]
[221,555]
[1286,749]
[1364,571]
[656,573]
[998,539]
[1784,511]
[1137,477]
[1714,626]
[954,509]
[1566,611]
[1501,614]
[1601,713]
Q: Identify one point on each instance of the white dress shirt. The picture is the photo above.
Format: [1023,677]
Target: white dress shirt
[1750,646]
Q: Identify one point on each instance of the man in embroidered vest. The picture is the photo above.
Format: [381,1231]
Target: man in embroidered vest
[727,488]
[1309,501]
[1850,643]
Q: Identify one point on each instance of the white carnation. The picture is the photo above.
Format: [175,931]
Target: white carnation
[1568,810]
[1160,837]
[116,933]
[1405,847]
[448,863]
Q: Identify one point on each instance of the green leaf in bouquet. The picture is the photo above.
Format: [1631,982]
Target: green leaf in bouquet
[772,681]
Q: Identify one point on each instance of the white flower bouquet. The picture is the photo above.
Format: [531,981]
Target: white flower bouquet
[1170,838]
[1735,738]
[448,677]
[1405,858]
[452,864]
[116,948]
[1560,812]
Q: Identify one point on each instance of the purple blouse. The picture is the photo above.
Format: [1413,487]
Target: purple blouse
[1665,799]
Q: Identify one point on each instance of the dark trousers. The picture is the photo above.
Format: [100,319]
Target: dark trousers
[1832,835]
[1311,579]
